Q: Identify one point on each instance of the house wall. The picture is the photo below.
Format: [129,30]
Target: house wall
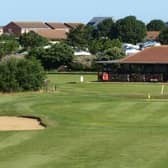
[66,29]
[1,31]
[27,30]
[12,28]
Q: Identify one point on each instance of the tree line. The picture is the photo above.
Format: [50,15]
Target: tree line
[104,42]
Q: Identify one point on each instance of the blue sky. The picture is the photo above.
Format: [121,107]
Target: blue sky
[80,10]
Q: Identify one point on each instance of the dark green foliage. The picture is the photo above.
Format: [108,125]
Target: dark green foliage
[76,37]
[32,40]
[104,28]
[7,37]
[20,75]
[100,45]
[80,36]
[111,54]
[8,70]
[8,45]
[156,25]
[130,30]
[163,36]
[52,58]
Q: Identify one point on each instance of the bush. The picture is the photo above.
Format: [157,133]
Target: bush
[111,54]
[83,63]
[156,25]
[8,45]
[32,40]
[163,36]
[20,75]
[53,57]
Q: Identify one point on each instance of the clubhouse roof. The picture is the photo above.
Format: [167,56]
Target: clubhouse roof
[153,55]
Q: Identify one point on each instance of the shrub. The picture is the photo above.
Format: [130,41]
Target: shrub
[53,57]
[84,63]
[163,36]
[20,75]
[32,40]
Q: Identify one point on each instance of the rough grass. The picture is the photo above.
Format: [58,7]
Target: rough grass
[102,125]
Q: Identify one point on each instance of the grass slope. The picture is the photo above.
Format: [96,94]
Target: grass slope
[102,125]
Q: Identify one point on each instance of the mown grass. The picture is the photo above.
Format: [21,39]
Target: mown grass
[102,125]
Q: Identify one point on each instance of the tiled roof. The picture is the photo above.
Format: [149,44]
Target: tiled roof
[152,35]
[153,55]
[73,25]
[56,25]
[31,24]
[52,34]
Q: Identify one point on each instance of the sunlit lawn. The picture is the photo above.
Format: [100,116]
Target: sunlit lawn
[90,125]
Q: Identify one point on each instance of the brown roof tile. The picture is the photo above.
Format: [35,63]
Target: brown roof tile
[73,25]
[31,24]
[56,25]
[152,35]
[52,34]
[153,55]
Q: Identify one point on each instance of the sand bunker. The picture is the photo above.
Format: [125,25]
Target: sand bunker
[20,123]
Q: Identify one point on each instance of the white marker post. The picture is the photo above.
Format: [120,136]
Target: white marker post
[81,79]
[149,96]
[162,90]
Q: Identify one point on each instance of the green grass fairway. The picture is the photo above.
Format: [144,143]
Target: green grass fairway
[90,125]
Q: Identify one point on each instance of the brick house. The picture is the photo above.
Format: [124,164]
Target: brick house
[18,28]
[62,26]
[1,30]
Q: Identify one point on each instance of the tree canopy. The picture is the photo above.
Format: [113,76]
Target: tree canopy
[104,28]
[129,30]
[111,54]
[100,45]
[156,25]
[53,57]
[32,40]
[8,45]
[163,36]
[80,36]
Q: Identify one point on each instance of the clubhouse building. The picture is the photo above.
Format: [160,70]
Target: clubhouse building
[149,65]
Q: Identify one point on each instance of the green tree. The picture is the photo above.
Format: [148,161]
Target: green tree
[20,75]
[30,75]
[104,28]
[53,57]
[7,37]
[156,25]
[111,54]
[100,45]
[80,36]
[163,36]
[129,30]
[32,40]
[8,45]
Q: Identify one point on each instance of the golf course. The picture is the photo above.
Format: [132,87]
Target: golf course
[88,125]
